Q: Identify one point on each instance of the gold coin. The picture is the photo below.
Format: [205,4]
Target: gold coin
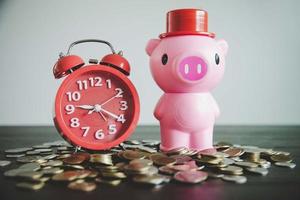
[281,158]
[131,155]
[141,161]
[176,151]
[119,175]
[54,170]
[65,176]
[75,159]
[53,163]
[246,164]
[82,186]
[164,161]
[210,160]
[234,152]
[112,182]
[234,170]
[136,168]
[31,185]
[105,159]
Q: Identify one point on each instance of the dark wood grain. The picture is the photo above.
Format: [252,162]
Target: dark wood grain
[280,183]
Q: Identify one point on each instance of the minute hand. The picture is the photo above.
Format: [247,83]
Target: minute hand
[109,113]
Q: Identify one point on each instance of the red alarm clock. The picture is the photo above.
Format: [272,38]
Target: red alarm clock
[96,107]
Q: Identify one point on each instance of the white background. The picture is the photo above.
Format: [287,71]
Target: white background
[261,83]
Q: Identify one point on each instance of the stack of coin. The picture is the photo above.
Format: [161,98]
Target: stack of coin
[139,161]
[252,155]
[103,158]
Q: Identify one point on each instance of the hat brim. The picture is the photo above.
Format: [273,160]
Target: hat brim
[170,34]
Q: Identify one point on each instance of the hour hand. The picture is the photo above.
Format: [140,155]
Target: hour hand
[85,107]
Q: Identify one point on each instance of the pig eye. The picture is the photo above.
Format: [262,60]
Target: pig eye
[164,59]
[217,58]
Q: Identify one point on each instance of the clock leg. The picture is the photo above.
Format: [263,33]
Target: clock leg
[77,148]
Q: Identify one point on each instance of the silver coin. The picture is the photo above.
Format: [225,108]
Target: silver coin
[265,165]
[236,179]
[53,163]
[27,159]
[228,161]
[214,175]
[285,164]
[31,153]
[31,166]
[246,164]
[151,142]
[4,163]
[50,157]
[43,150]
[30,175]
[258,170]
[14,155]
[41,146]
[18,150]
[54,170]
[15,172]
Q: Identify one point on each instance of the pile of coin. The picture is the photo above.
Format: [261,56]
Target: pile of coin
[137,161]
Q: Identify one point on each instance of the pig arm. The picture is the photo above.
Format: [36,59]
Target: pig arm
[158,112]
[215,107]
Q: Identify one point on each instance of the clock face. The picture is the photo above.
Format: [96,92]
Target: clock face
[96,107]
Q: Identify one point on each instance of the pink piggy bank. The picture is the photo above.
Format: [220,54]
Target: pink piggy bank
[187,62]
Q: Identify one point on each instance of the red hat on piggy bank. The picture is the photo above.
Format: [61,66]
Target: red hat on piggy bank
[187,22]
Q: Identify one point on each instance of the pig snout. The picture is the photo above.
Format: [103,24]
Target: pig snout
[192,68]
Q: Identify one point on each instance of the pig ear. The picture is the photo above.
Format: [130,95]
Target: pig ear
[223,45]
[151,45]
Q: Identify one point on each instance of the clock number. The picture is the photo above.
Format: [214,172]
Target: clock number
[123,105]
[98,82]
[91,81]
[120,92]
[121,118]
[70,109]
[82,85]
[75,96]
[74,122]
[112,129]
[108,83]
[99,135]
[86,130]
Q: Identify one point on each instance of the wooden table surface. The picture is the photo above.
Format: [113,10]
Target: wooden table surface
[280,183]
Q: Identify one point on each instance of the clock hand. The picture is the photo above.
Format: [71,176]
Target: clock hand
[102,116]
[91,111]
[85,107]
[108,100]
[109,113]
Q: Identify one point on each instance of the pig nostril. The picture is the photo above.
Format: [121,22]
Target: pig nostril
[199,68]
[186,68]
